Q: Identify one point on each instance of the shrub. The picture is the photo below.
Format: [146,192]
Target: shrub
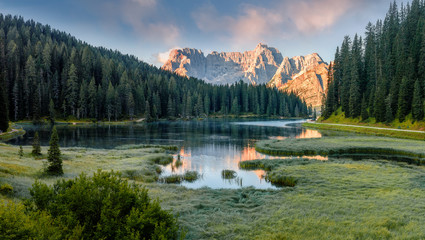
[6,188]
[103,207]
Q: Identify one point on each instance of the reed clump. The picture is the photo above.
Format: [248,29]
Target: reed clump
[228,174]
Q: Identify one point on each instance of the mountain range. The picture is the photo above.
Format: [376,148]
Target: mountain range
[306,76]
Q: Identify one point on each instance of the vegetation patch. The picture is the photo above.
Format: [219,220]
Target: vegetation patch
[188,176]
[13,133]
[228,174]
[358,147]
[369,131]
[191,176]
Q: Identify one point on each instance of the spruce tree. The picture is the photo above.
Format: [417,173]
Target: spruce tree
[4,113]
[388,109]
[52,111]
[21,151]
[417,102]
[36,148]
[364,112]
[403,99]
[54,155]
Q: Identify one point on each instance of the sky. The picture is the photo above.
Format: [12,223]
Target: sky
[148,29]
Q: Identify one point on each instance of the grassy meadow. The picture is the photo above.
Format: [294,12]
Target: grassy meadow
[334,199]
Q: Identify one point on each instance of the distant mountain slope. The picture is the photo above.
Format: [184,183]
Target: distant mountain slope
[49,73]
[304,75]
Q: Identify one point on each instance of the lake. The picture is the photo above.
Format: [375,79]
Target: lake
[207,147]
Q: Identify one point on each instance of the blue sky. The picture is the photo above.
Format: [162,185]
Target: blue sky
[148,29]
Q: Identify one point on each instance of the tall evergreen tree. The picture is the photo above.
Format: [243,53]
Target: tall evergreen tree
[54,155]
[403,102]
[4,113]
[36,148]
[364,112]
[417,102]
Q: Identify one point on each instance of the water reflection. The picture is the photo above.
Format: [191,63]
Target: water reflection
[207,147]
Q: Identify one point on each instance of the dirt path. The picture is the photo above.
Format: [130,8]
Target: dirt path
[380,128]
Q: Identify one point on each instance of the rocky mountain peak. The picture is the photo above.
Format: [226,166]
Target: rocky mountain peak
[262,65]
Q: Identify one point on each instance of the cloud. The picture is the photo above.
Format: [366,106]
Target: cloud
[143,17]
[281,20]
[161,58]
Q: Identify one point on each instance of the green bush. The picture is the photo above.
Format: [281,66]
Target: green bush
[15,224]
[6,188]
[103,207]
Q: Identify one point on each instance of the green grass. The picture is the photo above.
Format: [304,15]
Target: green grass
[12,133]
[335,199]
[339,118]
[410,151]
[228,174]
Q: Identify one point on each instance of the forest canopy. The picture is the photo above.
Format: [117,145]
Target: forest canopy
[383,75]
[47,72]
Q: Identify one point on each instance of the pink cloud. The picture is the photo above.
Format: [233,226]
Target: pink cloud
[282,20]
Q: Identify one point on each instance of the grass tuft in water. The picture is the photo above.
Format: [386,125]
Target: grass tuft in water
[228,174]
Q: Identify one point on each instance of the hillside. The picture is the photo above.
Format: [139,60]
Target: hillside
[49,73]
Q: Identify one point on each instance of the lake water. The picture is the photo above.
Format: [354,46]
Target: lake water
[207,147]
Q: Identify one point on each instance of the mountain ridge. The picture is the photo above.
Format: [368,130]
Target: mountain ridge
[304,75]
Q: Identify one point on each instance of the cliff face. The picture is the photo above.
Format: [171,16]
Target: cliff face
[303,75]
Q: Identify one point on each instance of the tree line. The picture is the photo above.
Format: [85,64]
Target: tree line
[383,75]
[46,72]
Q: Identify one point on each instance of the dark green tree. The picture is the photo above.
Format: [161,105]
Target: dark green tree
[36,148]
[72,89]
[364,112]
[4,113]
[54,155]
[21,151]
[417,102]
[403,99]
[52,114]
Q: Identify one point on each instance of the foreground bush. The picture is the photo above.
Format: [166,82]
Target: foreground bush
[102,207]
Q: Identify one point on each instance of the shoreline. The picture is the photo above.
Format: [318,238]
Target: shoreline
[369,130]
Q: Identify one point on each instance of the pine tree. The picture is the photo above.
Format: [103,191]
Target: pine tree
[388,109]
[36,148]
[72,89]
[417,102]
[4,113]
[403,102]
[21,151]
[148,115]
[110,97]
[52,111]
[364,112]
[54,155]
[92,98]
[235,106]
[131,105]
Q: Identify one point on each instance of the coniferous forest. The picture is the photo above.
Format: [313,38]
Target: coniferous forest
[48,73]
[382,75]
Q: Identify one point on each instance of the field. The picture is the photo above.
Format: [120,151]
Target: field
[335,199]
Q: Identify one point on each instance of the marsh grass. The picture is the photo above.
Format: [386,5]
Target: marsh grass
[369,131]
[409,151]
[228,174]
[337,199]
[188,176]
[191,176]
